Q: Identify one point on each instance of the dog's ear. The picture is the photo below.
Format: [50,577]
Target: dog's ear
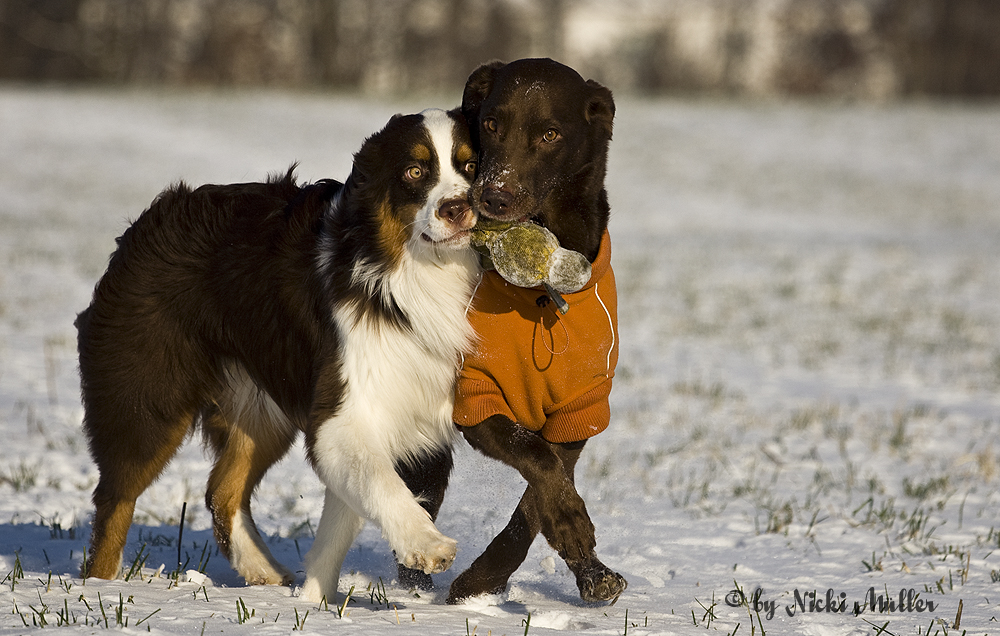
[600,107]
[361,165]
[357,177]
[477,88]
[371,153]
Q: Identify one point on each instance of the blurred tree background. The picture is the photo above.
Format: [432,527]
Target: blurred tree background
[866,49]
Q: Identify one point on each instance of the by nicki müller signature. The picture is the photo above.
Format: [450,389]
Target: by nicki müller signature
[831,602]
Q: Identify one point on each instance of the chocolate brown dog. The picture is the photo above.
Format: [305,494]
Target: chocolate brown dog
[537,388]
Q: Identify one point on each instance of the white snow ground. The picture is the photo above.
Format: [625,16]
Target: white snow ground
[807,399]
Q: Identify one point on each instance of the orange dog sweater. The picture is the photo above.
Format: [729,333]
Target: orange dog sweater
[548,372]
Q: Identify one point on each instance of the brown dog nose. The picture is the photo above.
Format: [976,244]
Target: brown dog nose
[496,202]
[453,210]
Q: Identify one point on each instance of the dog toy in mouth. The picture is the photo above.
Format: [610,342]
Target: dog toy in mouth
[528,255]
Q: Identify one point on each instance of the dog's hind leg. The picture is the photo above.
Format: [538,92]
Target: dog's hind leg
[245,448]
[427,479]
[129,457]
[141,396]
[338,527]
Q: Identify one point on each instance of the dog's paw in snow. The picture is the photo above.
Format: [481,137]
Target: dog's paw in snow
[431,556]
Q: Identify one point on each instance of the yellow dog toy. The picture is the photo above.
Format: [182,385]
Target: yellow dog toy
[528,255]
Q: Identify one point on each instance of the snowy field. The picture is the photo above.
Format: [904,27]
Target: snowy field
[806,405]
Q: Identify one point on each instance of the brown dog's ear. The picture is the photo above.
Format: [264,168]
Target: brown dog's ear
[477,88]
[600,107]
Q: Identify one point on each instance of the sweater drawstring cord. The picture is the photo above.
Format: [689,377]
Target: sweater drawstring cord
[555,312]
[611,325]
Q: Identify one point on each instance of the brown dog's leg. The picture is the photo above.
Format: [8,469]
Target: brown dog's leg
[550,505]
[596,581]
[489,573]
[427,479]
[562,514]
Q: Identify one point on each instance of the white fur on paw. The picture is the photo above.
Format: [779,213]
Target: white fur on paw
[312,592]
[269,576]
[258,569]
[433,557]
[251,558]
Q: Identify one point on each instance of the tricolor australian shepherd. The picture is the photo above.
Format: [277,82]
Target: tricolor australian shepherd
[259,310]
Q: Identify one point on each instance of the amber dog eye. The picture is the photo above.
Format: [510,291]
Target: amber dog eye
[414,172]
[550,135]
[490,124]
[470,167]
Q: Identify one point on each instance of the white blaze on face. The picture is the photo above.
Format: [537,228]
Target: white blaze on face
[450,185]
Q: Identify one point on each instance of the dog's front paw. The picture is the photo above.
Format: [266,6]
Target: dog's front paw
[313,591]
[276,577]
[432,556]
[598,583]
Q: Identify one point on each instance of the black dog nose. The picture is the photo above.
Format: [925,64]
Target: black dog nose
[496,202]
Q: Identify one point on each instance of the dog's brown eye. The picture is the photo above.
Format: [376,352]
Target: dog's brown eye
[470,167]
[550,135]
[414,172]
[490,124]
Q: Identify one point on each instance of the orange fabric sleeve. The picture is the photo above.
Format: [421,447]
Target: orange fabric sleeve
[582,418]
[477,400]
